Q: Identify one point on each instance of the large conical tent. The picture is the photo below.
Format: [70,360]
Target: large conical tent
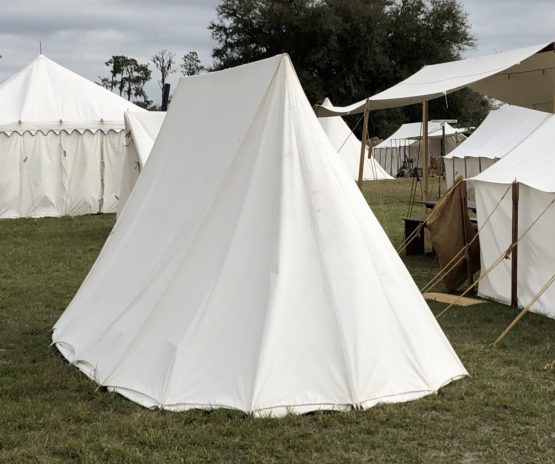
[61,143]
[348,147]
[246,270]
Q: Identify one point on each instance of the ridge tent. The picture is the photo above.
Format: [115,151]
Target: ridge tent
[61,143]
[499,133]
[531,164]
[404,145]
[348,147]
[247,271]
[141,130]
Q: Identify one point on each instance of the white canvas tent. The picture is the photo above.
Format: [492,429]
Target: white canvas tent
[248,272]
[532,164]
[141,130]
[348,147]
[405,144]
[61,143]
[499,133]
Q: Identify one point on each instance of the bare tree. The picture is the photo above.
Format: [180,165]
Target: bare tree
[163,61]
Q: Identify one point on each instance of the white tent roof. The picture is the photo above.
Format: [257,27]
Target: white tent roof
[532,162]
[499,133]
[523,77]
[47,96]
[143,128]
[408,133]
[348,147]
[247,271]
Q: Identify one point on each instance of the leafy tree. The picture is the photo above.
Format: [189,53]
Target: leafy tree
[116,65]
[350,49]
[164,62]
[191,64]
[129,78]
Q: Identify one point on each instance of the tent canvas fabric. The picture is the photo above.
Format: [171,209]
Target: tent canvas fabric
[523,77]
[499,133]
[404,144]
[348,147]
[61,143]
[450,231]
[141,130]
[527,163]
[269,286]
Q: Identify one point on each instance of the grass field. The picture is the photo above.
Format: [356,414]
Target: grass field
[50,412]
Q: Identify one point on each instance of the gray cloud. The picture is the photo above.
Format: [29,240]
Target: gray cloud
[83,35]
[502,25]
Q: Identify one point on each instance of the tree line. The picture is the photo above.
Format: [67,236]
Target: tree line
[129,77]
[346,50]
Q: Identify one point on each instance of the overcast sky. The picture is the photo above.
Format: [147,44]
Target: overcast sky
[82,35]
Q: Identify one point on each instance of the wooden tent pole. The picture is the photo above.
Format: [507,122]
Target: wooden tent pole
[425,169]
[363,144]
[514,252]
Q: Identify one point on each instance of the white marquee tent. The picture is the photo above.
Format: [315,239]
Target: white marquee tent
[532,164]
[247,271]
[348,147]
[499,133]
[141,130]
[405,144]
[61,143]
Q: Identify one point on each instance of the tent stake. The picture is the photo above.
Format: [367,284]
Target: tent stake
[514,252]
[363,144]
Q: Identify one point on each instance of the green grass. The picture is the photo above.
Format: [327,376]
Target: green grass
[50,412]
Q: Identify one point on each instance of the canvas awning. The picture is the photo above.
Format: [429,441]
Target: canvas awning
[523,77]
